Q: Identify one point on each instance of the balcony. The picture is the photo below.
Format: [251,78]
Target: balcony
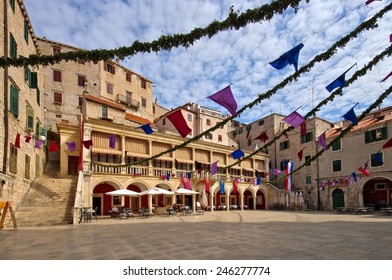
[128,101]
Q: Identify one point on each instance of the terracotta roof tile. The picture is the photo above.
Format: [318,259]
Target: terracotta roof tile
[137,119]
[104,102]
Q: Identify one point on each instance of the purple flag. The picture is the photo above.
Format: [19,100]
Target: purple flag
[225,98]
[295,119]
[350,115]
[112,141]
[289,57]
[321,140]
[276,171]
[370,1]
[71,146]
[38,144]
[214,168]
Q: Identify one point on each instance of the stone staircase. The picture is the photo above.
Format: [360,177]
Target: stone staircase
[49,202]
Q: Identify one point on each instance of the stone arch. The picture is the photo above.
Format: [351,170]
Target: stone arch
[249,195]
[101,200]
[338,199]
[260,200]
[376,192]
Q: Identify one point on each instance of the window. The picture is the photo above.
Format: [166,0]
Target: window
[307,137]
[104,112]
[109,68]
[220,138]
[80,101]
[284,145]
[27,167]
[58,116]
[13,159]
[56,75]
[189,117]
[283,164]
[143,83]
[261,122]
[128,77]
[82,80]
[208,136]
[57,97]
[144,102]
[308,157]
[38,97]
[14,101]
[56,50]
[336,146]
[249,142]
[164,121]
[380,186]
[240,130]
[109,88]
[308,180]
[33,81]
[208,122]
[248,127]
[336,165]
[26,31]
[376,159]
[29,118]
[375,135]
[12,4]
[13,47]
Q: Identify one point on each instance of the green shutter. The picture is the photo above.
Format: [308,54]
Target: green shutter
[33,83]
[38,97]
[12,4]
[29,118]
[26,32]
[368,137]
[384,133]
[14,101]
[13,47]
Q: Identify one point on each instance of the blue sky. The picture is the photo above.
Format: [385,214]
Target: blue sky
[240,57]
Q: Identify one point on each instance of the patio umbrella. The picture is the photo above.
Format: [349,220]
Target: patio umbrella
[204,200]
[185,191]
[123,192]
[156,190]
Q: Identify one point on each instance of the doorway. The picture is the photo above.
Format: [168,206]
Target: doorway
[337,198]
[97,202]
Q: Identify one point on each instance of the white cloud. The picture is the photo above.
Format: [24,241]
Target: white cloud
[240,56]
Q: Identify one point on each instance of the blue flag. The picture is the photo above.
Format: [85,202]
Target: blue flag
[355,176]
[237,154]
[189,175]
[350,116]
[378,157]
[339,82]
[147,128]
[222,186]
[258,180]
[168,176]
[289,57]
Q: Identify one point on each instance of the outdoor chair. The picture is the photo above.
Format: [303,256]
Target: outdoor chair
[144,213]
[186,210]
[95,214]
[170,211]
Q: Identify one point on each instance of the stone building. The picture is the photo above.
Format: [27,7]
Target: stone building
[21,107]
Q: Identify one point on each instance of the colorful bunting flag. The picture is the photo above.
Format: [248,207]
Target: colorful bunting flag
[235,185]
[338,82]
[214,168]
[263,137]
[147,128]
[387,144]
[294,119]
[53,147]
[17,141]
[276,171]
[27,138]
[87,143]
[300,154]
[112,141]
[222,186]
[39,144]
[71,146]
[288,181]
[303,129]
[363,171]
[370,1]
[186,182]
[225,98]
[387,76]
[258,181]
[237,154]
[177,119]
[189,175]
[206,184]
[348,179]
[390,38]
[322,141]
[168,176]
[289,57]
[350,116]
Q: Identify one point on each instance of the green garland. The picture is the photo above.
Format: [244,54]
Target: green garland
[369,24]
[165,42]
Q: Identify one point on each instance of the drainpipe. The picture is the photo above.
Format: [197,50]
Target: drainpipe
[6,124]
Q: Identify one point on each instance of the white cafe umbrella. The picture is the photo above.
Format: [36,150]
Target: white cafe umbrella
[156,190]
[204,200]
[123,192]
[185,191]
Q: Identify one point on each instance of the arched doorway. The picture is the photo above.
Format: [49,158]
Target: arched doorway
[135,202]
[337,198]
[260,200]
[248,200]
[102,201]
[377,193]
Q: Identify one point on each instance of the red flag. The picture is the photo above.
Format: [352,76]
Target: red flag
[207,184]
[27,139]
[390,74]
[363,171]
[235,185]
[390,38]
[303,129]
[300,154]
[370,1]
[186,182]
[87,144]
[53,147]
[17,141]
[177,119]
[263,137]
[387,144]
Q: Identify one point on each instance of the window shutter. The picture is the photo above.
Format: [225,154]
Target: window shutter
[384,133]
[33,80]
[38,97]
[368,137]
[14,101]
